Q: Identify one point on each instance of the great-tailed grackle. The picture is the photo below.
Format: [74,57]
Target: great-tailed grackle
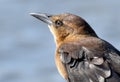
[81,56]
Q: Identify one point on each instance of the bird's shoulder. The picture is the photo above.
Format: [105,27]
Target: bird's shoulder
[87,56]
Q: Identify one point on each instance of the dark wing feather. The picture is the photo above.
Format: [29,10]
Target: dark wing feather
[88,64]
[113,57]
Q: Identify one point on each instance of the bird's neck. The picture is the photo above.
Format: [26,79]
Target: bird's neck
[70,38]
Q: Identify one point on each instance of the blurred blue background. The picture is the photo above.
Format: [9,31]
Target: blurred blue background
[26,44]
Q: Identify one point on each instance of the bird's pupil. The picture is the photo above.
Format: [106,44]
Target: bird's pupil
[58,22]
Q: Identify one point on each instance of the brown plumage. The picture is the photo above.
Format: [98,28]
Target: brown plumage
[81,56]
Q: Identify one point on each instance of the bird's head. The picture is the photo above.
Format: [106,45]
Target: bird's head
[65,25]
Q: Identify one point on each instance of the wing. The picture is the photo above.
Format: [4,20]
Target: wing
[89,64]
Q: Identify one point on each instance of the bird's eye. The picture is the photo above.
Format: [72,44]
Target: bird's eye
[58,23]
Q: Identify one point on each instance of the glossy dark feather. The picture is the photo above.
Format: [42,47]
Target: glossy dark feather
[86,63]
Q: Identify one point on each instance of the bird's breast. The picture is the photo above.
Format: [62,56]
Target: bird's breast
[60,66]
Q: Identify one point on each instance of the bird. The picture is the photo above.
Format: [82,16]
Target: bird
[80,54]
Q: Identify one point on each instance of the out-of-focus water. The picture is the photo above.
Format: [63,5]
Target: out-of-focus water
[26,44]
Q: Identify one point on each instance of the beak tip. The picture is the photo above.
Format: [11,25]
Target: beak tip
[32,14]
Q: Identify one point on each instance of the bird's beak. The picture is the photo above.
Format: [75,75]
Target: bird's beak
[43,17]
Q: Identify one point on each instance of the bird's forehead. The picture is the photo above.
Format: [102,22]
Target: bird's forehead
[65,16]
